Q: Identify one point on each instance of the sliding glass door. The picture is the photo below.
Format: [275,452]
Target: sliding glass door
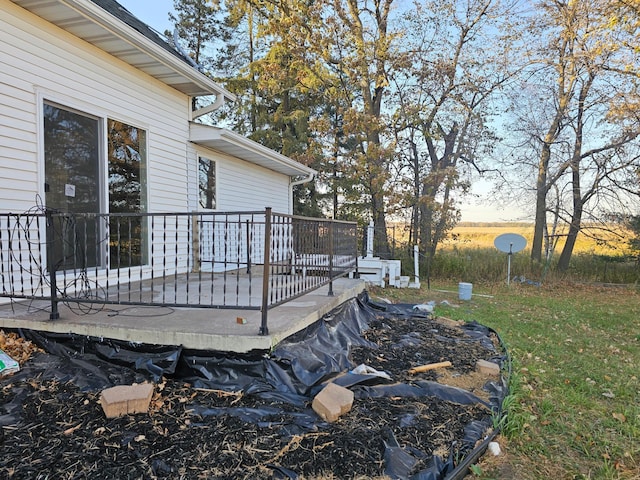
[75,183]
[72,179]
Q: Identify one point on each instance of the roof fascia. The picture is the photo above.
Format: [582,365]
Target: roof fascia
[127,33]
[203,132]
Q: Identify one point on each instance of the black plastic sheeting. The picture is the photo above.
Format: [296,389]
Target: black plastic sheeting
[294,372]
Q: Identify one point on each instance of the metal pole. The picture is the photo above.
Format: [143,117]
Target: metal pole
[267,267]
[509,264]
[330,258]
[54,315]
[248,248]
[416,264]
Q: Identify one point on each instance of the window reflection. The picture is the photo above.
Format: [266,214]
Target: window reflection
[72,178]
[127,193]
[207,182]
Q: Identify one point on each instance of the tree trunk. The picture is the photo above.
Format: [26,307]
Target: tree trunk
[576,185]
[541,218]
[565,83]
[572,236]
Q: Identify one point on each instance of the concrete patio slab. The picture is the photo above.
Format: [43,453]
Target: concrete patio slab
[231,330]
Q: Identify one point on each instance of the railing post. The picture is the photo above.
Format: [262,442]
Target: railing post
[54,315]
[330,258]
[248,247]
[264,330]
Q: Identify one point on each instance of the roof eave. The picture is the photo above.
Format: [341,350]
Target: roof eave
[241,147]
[186,78]
[138,40]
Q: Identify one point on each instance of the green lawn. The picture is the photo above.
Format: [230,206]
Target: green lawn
[574,409]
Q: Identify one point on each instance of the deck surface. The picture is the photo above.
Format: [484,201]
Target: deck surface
[232,330]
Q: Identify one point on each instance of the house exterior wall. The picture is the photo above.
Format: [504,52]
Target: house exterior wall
[241,186]
[39,61]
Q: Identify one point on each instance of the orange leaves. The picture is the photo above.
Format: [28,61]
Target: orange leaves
[17,348]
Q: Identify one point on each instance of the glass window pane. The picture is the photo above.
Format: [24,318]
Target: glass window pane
[71,151]
[127,193]
[127,163]
[72,185]
[207,182]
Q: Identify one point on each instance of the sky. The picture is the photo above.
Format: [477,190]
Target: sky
[155,14]
[152,12]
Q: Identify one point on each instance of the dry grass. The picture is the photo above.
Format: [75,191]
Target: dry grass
[479,235]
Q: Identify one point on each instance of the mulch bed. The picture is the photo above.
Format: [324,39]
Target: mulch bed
[58,430]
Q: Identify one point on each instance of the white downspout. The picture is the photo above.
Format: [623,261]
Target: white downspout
[293,183]
[218,102]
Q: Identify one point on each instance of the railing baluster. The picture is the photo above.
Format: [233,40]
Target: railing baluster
[250,224]
[130,253]
[19,262]
[188,254]
[214,252]
[2,249]
[104,220]
[98,253]
[30,271]
[331,246]
[54,315]
[226,258]
[144,256]
[153,256]
[164,257]
[238,255]
[117,258]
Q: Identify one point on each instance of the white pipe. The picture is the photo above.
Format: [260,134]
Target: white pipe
[370,233]
[306,179]
[293,183]
[416,266]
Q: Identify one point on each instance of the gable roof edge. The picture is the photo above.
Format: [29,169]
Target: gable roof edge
[119,33]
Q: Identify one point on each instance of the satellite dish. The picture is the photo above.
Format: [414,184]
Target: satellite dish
[510,243]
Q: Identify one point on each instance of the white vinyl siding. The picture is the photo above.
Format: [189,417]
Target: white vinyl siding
[241,185]
[40,62]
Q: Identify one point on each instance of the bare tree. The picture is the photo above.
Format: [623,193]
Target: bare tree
[585,130]
[442,105]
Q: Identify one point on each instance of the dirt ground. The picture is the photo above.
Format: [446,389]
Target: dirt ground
[54,427]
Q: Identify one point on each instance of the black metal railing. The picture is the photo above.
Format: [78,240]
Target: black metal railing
[247,260]
[388,242]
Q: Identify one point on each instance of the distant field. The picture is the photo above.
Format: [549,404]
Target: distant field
[482,235]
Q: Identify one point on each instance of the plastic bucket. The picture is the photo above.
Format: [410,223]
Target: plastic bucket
[464,290]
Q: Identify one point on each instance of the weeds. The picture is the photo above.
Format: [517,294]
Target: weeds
[573,409]
[488,265]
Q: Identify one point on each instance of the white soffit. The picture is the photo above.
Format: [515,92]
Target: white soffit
[95,25]
[241,147]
